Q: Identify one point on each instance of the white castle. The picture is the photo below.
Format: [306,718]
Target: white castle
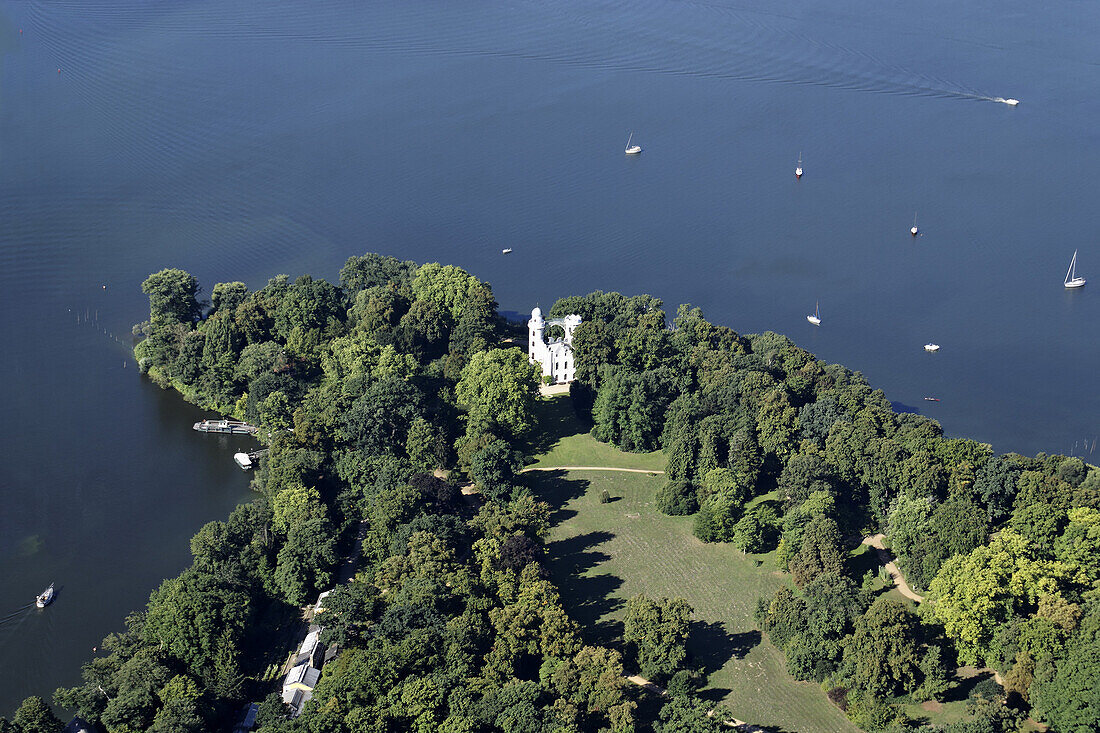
[556,356]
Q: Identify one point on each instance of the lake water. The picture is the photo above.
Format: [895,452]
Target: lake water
[239,140]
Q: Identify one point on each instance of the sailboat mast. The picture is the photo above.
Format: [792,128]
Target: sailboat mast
[1071,272]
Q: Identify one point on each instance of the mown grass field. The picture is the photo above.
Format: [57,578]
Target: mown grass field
[563,440]
[602,554]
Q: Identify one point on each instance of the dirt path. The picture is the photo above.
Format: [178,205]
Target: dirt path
[875,541]
[591,468]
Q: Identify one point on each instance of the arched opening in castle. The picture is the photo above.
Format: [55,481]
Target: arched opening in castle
[555,356]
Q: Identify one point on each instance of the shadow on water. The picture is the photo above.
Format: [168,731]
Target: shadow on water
[901,407]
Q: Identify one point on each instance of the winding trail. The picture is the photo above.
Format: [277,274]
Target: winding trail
[875,541]
[591,468]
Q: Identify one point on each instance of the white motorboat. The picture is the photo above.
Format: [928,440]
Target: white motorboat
[45,598]
[798,169]
[1012,102]
[506,251]
[1073,280]
[815,317]
[932,347]
[632,149]
[914,231]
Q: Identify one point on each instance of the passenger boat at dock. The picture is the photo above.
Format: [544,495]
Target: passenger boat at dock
[234,427]
[45,598]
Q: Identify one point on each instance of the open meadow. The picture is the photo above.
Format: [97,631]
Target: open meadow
[600,555]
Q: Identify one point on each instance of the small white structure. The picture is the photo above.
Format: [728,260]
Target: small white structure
[554,356]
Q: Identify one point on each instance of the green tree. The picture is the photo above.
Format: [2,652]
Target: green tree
[686,714]
[500,387]
[883,656]
[494,469]
[172,297]
[656,630]
[35,716]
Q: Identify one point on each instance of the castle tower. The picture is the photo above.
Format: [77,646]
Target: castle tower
[535,328]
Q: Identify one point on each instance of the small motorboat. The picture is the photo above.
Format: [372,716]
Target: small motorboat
[632,149]
[1012,102]
[506,251]
[45,598]
[932,399]
[932,348]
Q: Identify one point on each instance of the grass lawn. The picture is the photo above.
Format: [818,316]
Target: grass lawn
[563,440]
[602,554]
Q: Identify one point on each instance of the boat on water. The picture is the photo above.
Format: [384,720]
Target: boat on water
[1073,280]
[248,461]
[45,598]
[815,317]
[914,231]
[1012,102]
[932,399]
[931,347]
[506,251]
[632,149]
[798,168]
[233,427]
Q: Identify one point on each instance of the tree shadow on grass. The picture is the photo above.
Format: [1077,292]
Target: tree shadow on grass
[556,419]
[587,598]
[557,490]
[966,684]
[711,646]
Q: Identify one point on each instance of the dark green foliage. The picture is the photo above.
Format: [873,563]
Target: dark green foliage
[677,498]
[630,408]
[35,716]
[757,530]
[995,484]
[656,631]
[686,714]
[370,270]
[821,551]
[1066,693]
[494,469]
[172,297]
[883,656]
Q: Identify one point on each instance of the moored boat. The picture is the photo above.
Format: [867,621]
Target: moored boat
[234,427]
[931,347]
[45,598]
[632,149]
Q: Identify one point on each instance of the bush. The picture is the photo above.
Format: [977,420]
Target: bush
[677,498]
[605,497]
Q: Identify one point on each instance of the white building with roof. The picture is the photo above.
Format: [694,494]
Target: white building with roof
[555,356]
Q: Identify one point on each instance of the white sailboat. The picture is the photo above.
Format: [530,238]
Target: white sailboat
[914,231]
[1073,280]
[798,170]
[815,317]
[632,149]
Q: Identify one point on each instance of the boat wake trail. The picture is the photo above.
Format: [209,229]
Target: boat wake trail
[16,615]
[691,38]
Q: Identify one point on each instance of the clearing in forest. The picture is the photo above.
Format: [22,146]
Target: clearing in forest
[563,440]
[600,555]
